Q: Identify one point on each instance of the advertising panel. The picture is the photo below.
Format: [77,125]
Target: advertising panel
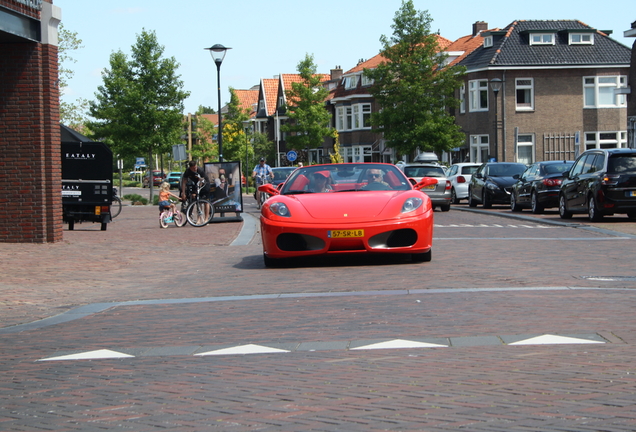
[225,186]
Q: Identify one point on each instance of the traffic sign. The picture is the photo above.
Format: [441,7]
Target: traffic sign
[291,156]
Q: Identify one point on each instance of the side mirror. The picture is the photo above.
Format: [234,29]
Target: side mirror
[268,188]
[479,176]
[426,181]
[516,176]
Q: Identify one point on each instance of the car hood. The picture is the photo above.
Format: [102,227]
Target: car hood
[502,181]
[346,206]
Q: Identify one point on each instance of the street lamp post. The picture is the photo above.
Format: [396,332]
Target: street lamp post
[495,85]
[218,54]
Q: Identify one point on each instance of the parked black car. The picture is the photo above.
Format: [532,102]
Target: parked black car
[539,185]
[601,182]
[492,182]
[281,174]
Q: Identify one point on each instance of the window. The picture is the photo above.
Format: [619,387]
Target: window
[487,41]
[542,39]
[462,99]
[525,91]
[351,82]
[525,149]
[581,38]
[479,148]
[598,91]
[357,116]
[478,95]
[605,140]
[366,81]
[361,153]
[261,105]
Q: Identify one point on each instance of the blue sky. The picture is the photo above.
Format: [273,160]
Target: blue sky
[270,37]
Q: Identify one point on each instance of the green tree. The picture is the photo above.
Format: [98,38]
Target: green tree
[235,139]
[413,92]
[205,148]
[206,110]
[309,120]
[71,114]
[139,106]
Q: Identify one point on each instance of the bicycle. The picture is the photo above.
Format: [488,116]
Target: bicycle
[115,207]
[167,216]
[261,180]
[198,207]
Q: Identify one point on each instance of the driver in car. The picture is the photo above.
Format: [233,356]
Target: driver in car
[376,178]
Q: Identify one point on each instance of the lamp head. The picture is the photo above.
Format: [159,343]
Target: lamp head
[217,52]
[495,84]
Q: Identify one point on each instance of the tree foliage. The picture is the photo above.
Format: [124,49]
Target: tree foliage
[235,139]
[309,120]
[140,103]
[71,114]
[413,92]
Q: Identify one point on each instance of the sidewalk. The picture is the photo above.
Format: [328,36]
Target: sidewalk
[90,265]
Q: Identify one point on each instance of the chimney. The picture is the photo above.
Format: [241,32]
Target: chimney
[336,73]
[479,26]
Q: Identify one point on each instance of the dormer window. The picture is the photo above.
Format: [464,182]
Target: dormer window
[351,82]
[487,41]
[581,39]
[542,39]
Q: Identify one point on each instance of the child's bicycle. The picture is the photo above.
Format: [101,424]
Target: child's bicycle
[167,216]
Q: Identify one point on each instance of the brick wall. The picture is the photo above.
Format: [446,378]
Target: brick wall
[30,167]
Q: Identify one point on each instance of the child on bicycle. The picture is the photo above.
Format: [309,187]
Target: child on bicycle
[164,197]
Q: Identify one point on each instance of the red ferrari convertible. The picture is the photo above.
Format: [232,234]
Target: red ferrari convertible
[347,208]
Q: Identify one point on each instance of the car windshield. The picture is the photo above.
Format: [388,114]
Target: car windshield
[350,177]
[505,170]
[622,163]
[420,171]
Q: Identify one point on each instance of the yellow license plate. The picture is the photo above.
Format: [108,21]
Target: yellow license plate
[345,233]
[432,187]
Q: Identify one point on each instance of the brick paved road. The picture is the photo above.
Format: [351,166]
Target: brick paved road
[479,382]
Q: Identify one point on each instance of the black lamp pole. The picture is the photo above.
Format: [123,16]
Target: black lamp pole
[218,54]
[495,85]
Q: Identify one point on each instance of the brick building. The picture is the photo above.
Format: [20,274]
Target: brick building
[30,166]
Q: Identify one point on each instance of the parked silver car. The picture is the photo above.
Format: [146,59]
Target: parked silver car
[459,175]
[440,193]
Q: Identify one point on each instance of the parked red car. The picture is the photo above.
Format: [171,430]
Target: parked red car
[157,178]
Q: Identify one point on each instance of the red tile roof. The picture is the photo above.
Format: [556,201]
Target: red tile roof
[248,100]
[270,90]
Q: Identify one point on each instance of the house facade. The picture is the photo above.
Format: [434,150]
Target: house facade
[631,97]
[543,90]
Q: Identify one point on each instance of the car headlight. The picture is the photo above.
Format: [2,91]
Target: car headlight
[411,204]
[280,209]
[492,186]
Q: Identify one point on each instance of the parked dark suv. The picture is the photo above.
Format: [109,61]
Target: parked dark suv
[601,182]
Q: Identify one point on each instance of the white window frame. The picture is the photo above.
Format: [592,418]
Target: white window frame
[353,117]
[488,41]
[542,39]
[604,140]
[581,38]
[479,148]
[476,89]
[462,99]
[529,88]
[596,88]
[366,81]
[525,141]
[351,82]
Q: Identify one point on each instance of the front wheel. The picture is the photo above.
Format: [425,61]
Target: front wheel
[514,205]
[471,201]
[179,218]
[162,219]
[200,212]
[272,262]
[563,211]
[115,207]
[485,201]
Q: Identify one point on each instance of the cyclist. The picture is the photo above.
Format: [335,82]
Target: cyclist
[164,197]
[192,176]
[260,174]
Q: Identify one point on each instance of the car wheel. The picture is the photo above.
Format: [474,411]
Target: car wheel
[422,257]
[513,203]
[485,201]
[471,201]
[563,211]
[454,199]
[537,208]
[592,210]
[445,207]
